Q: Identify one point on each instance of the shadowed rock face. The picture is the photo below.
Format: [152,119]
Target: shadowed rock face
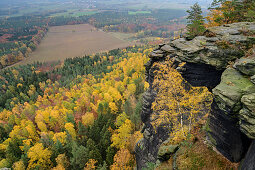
[147,148]
[201,75]
[231,126]
[224,128]
[249,161]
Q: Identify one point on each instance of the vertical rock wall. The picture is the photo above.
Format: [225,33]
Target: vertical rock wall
[217,61]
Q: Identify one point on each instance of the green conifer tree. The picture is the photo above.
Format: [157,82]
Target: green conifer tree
[195,25]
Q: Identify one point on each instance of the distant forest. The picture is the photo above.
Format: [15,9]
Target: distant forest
[20,35]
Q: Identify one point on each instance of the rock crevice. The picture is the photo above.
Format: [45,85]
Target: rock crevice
[216,60]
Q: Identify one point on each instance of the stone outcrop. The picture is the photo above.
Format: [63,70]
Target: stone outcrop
[216,60]
[165,152]
[249,161]
[147,148]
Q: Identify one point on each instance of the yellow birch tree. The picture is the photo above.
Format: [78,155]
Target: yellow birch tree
[178,105]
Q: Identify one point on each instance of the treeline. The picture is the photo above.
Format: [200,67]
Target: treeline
[61,20]
[24,83]
[227,12]
[220,12]
[93,123]
[20,36]
[158,23]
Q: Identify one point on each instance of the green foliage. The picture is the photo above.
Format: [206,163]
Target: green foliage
[150,166]
[43,109]
[13,152]
[110,152]
[234,11]
[103,167]
[79,156]
[17,85]
[136,116]
[3,134]
[94,152]
[57,149]
[195,25]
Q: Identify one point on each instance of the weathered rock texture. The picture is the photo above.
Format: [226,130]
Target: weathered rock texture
[249,161]
[216,60]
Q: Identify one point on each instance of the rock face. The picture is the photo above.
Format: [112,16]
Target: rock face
[147,148]
[201,75]
[215,60]
[249,161]
[247,115]
[225,135]
[246,66]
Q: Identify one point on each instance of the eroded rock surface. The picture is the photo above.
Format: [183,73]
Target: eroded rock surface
[217,61]
[249,161]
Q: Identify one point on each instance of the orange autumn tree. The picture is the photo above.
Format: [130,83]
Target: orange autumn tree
[178,106]
[90,165]
[223,13]
[230,11]
[214,18]
[122,160]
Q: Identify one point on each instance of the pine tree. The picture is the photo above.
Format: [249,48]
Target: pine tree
[79,156]
[93,153]
[196,21]
[13,152]
[110,152]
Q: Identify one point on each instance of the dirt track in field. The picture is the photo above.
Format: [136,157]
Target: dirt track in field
[69,41]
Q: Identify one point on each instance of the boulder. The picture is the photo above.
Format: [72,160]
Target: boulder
[231,120]
[225,135]
[205,50]
[247,115]
[167,48]
[232,87]
[253,79]
[156,55]
[246,66]
[232,29]
[232,39]
[247,128]
[165,152]
[249,102]
[190,47]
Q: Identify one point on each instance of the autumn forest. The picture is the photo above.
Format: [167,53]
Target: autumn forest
[85,112]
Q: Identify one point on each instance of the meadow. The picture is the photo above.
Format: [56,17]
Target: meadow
[69,41]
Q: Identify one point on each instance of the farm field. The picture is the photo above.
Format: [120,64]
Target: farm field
[69,41]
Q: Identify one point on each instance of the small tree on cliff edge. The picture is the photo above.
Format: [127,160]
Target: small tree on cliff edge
[195,25]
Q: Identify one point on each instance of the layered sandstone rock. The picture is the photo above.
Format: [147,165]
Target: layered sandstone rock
[216,60]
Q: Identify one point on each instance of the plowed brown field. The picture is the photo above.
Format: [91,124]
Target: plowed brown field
[69,41]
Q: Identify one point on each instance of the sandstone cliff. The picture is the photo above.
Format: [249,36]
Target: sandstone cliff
[223,59]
